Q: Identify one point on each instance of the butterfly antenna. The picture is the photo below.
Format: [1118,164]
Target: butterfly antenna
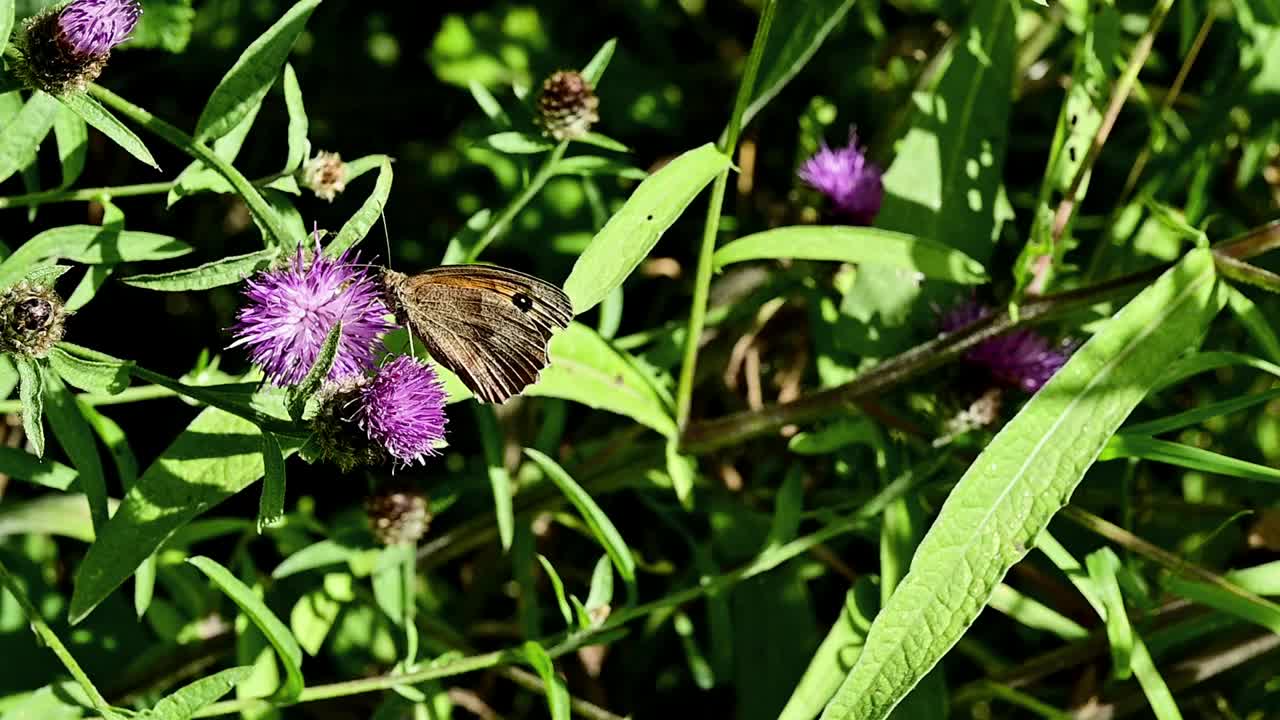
[386,236]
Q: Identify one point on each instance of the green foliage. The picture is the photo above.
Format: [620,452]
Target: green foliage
[755,479]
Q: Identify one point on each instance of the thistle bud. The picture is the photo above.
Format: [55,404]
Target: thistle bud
[396,516]
[65,50]
[336,435]
[325,175]
[567,105]
[31,319]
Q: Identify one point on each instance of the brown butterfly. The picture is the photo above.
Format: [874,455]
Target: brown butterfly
[487,324]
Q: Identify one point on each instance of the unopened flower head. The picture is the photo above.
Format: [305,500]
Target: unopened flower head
[1021,357]
[291,310]
[398,515]
[64,50]
[325,175]
[402,410]
[849,180]
[567,106]
[31,319]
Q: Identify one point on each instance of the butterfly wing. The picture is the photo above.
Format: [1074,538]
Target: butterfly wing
[489,325]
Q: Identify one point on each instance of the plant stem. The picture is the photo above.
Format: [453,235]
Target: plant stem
[50,640]
[257,204]
[116,191]
[711,229]
[128,395]
[1138,58]
[503,221]
[211,397]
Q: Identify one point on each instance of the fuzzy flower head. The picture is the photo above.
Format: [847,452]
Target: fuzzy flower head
[402,409]
[325,175]
[849,180]
[291,310]
[94,27]
[1020,358]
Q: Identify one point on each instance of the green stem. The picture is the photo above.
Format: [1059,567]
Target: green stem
[98,193]
[503,221]
[257,204]
[711,229]
[571,642]
[128,395]
[50,640]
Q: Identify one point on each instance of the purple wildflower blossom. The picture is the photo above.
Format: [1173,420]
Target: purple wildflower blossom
[848,179]
[402,409]
[1020,357]
[94,27]
[291,310]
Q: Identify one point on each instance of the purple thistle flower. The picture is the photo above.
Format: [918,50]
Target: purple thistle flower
[848,179]
[1020,357]
[291,310]
[402,409]
[94,27]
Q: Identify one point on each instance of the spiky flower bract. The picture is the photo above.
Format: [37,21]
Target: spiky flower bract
[398,515]
[31,319]
[62,51]
[849,180]
[402,409]
[1021,357]
[290,311]
[567,105]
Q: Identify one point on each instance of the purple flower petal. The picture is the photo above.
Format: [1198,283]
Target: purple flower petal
[94,27]
[290,311]
[848,179]
[1021,357]
[402,409]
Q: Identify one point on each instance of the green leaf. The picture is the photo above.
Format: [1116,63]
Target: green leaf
[271,504]
[1207,361]
[248,80]
[1241,604]
[489,104]
[931,259]
[1025,475]
[355,229]
[464,241]
[1261,579]
[600,594]
[1034,614]
[22,465]
[198,177]
[226,271]
[632,232]
[594,69]
[90,370]
[1255,323]
[165,24]
[261,616]
[557,693]
[593,165]
[299,126]
[61,514]
[944,182]
[21,136]
[838,651]
[189,699]
[6,22]
[585,368]
[1102,566]
[1153,685]
[512,142]
[601,527]
[799,29]
[1200,414]
[302,392]
[217,455]
[492,441]
[72,135]
[77,441]
[31,393]
[97,116]
[89,244]
[312,618]
[1145,448]
[558,587]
